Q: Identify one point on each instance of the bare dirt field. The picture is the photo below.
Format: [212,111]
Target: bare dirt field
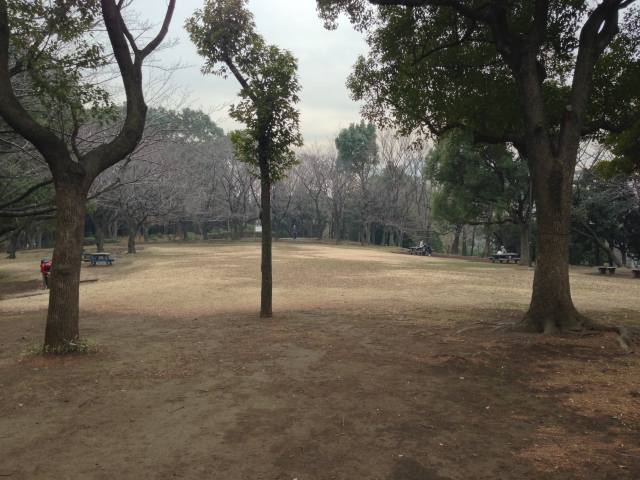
[376,365]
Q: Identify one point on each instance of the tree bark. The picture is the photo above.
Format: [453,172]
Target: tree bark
[464,242]
[473,240]
[551,309]
[99,232]
[525,238]
[266,308]
[64,282]
[455,246]
[132,231]
[12,246]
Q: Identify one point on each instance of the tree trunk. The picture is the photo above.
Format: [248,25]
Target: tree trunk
[487,241]
[464,242]
[99,233]
[114,232]
[266,309]
[12,246]
[473,240]
[455,246]
[525,252]
[132,231]
[185,231]
[551,309]
[64,282]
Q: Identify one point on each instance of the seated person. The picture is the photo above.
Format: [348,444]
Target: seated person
[502,251]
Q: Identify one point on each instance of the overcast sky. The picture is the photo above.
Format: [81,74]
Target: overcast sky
[325,59]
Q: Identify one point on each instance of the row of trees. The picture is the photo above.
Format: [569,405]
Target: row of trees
[528,80]
[191,182]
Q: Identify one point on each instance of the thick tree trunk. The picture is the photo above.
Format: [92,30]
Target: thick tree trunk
[64,282]
[551,309]
[266,309]
[525,238]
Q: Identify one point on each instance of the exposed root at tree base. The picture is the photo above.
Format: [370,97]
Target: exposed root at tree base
[577,323]
[624,337]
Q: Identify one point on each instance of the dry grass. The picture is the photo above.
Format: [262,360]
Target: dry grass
[376,365]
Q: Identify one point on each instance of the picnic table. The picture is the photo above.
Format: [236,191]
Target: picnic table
[505,258]
[604,269]
[97,257]
[420,250]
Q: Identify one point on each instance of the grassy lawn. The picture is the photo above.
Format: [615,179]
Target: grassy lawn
[376,365]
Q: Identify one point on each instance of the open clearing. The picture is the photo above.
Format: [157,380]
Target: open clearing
[375,366]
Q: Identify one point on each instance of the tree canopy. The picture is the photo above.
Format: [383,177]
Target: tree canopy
[224,33]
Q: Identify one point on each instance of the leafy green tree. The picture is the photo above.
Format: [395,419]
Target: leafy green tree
[358,155]
[524,72]
[224,33]
[480,184]
[50,43]
[606,212]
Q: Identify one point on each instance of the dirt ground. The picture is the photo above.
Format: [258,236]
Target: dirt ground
[376,365]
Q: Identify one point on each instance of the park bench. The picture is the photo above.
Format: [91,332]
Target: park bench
[98,257]
[604,269]
[505,258]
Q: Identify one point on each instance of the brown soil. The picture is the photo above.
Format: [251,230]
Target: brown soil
[375,366]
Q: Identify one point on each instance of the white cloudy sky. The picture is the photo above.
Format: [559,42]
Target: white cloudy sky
[325,59]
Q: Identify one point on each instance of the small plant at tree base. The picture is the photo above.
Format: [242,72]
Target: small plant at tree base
[80,346]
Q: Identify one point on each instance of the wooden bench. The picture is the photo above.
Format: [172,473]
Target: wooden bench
[604,269]
[505,258]
[98,257]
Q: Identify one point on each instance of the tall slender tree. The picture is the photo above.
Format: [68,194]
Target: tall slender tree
[24,48]
[224,33]
[358,155]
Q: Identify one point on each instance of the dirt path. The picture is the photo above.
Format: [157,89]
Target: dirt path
[376,366]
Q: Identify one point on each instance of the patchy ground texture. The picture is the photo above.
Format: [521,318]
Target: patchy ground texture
[376,366]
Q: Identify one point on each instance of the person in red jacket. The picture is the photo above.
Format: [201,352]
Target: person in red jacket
[45,270]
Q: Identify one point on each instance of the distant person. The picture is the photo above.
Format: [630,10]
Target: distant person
[294,231]
[45,270]
[502,251]
[428,249]
[421,244]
